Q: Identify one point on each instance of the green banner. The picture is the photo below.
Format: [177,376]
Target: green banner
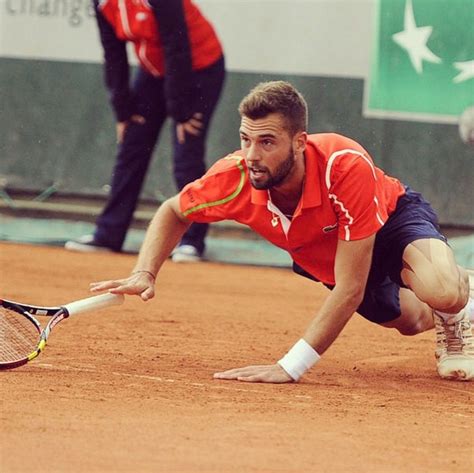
[423,60]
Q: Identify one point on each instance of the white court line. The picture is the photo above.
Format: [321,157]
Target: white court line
[143,376]
[159,379]
[458,390]
[66,368]
[93,369]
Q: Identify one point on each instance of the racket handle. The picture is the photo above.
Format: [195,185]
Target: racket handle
[94,303]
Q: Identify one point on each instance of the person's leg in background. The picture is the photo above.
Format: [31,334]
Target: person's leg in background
[133,158]
[189,157]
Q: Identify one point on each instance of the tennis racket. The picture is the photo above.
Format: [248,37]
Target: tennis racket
[21,336]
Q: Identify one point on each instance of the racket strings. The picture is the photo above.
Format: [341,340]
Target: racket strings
[18,336]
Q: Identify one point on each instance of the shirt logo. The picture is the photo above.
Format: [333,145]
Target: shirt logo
[329,228]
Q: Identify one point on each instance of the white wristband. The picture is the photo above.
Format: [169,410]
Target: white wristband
[301,357]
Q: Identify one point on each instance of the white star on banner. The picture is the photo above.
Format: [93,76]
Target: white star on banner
[414,38]
[467,71]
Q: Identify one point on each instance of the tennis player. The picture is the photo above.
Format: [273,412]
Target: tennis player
[372,240]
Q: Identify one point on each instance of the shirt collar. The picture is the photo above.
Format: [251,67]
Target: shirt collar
[312,181]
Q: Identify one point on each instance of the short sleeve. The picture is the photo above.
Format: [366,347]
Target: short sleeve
[352,190]
[213,197]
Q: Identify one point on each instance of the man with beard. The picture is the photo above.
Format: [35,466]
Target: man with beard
[373,241]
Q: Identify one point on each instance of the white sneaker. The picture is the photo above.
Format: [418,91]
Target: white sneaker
[454,347]
[470,272]
[185,254]
[86,244]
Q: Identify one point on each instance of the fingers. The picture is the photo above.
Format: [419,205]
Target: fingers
[104,285]
[252,379]
[129,289]
[147,294]
[138,119]
[195,121]
[180,132]
[139,284]
[192,129]
[193,126]
[240,372]
[256,374]
[121,127]
[120,131]
[115,287]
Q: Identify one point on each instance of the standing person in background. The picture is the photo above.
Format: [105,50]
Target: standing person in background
[372,240]
[180,75]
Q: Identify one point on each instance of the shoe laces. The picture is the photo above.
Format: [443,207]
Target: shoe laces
[454,335]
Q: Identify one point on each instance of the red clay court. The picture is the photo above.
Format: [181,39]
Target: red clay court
[130,389]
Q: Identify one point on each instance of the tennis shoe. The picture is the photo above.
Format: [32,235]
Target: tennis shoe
[454,346]
[86,244]
[186,254]
[470,272]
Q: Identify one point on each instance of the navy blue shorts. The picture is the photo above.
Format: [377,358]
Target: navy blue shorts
[413,219]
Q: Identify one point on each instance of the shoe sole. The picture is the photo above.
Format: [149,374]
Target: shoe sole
[185,259]
[82,247]
[459,375]
[463,372]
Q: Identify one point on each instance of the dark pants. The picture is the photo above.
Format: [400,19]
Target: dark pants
[135,151]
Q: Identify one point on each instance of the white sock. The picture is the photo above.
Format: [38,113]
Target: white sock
[469,308]
[445,315]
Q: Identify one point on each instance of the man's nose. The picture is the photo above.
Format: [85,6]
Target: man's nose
[252,154]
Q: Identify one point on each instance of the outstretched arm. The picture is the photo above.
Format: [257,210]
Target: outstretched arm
[164,232]
[352,267]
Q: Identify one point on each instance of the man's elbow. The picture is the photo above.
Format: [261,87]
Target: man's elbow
[353,295]
[358,298]
[172,206]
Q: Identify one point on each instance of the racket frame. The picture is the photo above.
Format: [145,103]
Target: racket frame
[29,311]
[57,313]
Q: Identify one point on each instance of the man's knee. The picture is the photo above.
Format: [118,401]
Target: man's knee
[432,274]
[413,327]
[416,317]
[445,292]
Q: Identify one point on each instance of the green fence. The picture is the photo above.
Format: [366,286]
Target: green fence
[57,129]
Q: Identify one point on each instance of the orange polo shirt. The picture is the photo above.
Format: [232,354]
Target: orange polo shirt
[344,197]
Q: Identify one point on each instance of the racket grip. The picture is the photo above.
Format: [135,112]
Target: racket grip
[94,303]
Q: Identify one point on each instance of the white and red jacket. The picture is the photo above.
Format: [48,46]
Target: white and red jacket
[171,39]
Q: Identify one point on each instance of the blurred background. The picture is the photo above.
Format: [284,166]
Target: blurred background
[395,75]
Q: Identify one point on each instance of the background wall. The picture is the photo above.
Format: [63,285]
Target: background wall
[57,128]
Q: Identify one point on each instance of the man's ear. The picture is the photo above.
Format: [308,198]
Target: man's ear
[299,141]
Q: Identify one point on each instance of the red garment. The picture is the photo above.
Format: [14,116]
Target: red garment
[134,20]
[344,197]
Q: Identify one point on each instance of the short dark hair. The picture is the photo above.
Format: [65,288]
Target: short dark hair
[276,97]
